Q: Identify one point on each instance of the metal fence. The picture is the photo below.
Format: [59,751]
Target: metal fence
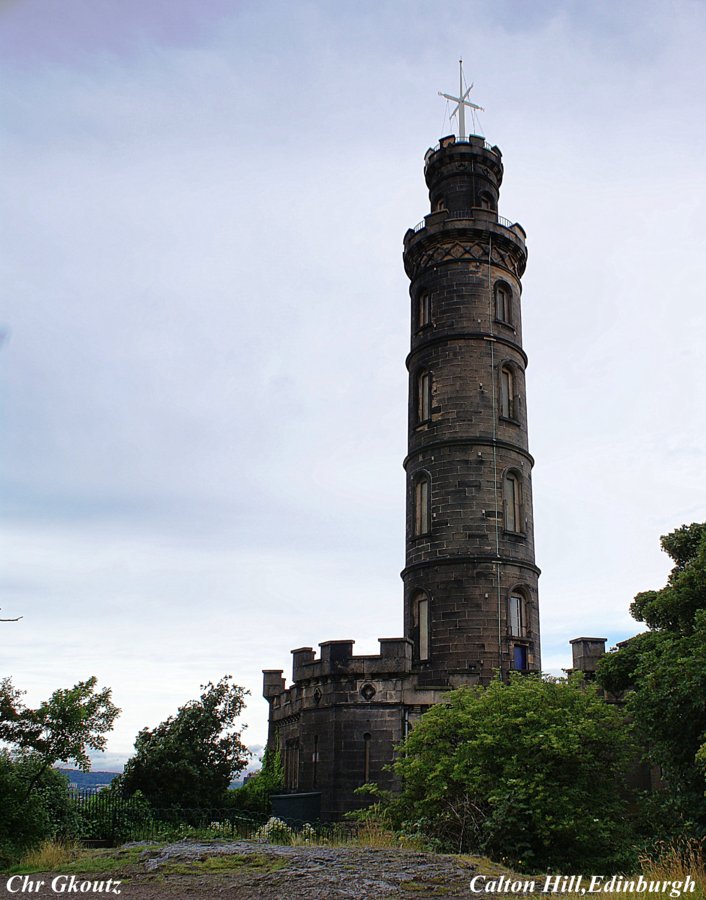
[103,819]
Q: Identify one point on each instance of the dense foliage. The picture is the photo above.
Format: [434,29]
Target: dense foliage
[35,801]
[188,761]
[63,728]
[254,796]
[27,820]
[527,772]
[663,672]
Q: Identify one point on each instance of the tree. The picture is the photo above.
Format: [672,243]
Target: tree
[526,772]
[62,729]
[35,798]
[663,674]
[188,761]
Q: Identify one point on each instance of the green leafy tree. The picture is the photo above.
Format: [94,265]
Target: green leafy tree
[35,799]
[63,728]
[188,761]
[663,674]
[526,772]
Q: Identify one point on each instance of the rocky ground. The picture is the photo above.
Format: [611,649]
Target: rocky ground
[251,871]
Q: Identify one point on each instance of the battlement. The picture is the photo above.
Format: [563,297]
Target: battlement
[473,145]
[336,658]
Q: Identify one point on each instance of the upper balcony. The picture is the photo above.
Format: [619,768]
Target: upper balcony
[479,214]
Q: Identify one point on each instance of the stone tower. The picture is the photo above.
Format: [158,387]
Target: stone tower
[470,581]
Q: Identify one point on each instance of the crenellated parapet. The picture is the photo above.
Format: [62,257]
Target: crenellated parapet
[337,661]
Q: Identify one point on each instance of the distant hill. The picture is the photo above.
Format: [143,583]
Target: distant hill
[88,781]
[96,781]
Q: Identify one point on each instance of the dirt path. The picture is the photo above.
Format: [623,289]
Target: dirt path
[252,871]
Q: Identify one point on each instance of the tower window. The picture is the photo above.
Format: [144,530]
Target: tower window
[512,500]
[439,205]
[423,310]
[517,615]
[423,396]
[421,505]
[507,393]
[503,303]
[486,200]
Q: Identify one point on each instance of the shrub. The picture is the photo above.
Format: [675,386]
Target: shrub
[109,817]
[29,817]
[254,796]
[527,773]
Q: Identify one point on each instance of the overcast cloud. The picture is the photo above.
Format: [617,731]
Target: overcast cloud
[206,315]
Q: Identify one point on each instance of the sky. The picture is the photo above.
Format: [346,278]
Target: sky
[205,320]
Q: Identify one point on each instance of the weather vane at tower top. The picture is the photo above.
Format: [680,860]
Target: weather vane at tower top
[461,103]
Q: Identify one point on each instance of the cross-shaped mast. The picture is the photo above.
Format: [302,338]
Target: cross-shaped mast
[461,103]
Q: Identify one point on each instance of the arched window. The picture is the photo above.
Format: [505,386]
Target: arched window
[423,391]
[517,615]
[503,303]
[423,310]
[439,205]
[486,200]
[507,393]
[421,619]
[512,501]
[422,518]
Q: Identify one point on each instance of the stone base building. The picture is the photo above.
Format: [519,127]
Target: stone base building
[470,581]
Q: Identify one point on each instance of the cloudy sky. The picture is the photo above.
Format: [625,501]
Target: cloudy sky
[205,317]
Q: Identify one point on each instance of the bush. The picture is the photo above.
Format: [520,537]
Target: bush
[29,817]
[109,817]
[254,796]
[527,773]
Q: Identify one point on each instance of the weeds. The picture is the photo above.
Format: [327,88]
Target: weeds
[674,861]
[49,856]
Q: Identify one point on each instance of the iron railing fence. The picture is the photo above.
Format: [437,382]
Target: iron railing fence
[468,214]
[104,819]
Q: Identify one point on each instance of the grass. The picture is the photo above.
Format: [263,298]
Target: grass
[70,859]
[424,889]
[369,835]
[667,863]
[224,863]
[48,856]
[673,862]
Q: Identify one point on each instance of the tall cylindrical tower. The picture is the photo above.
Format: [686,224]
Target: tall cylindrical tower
[470,580]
